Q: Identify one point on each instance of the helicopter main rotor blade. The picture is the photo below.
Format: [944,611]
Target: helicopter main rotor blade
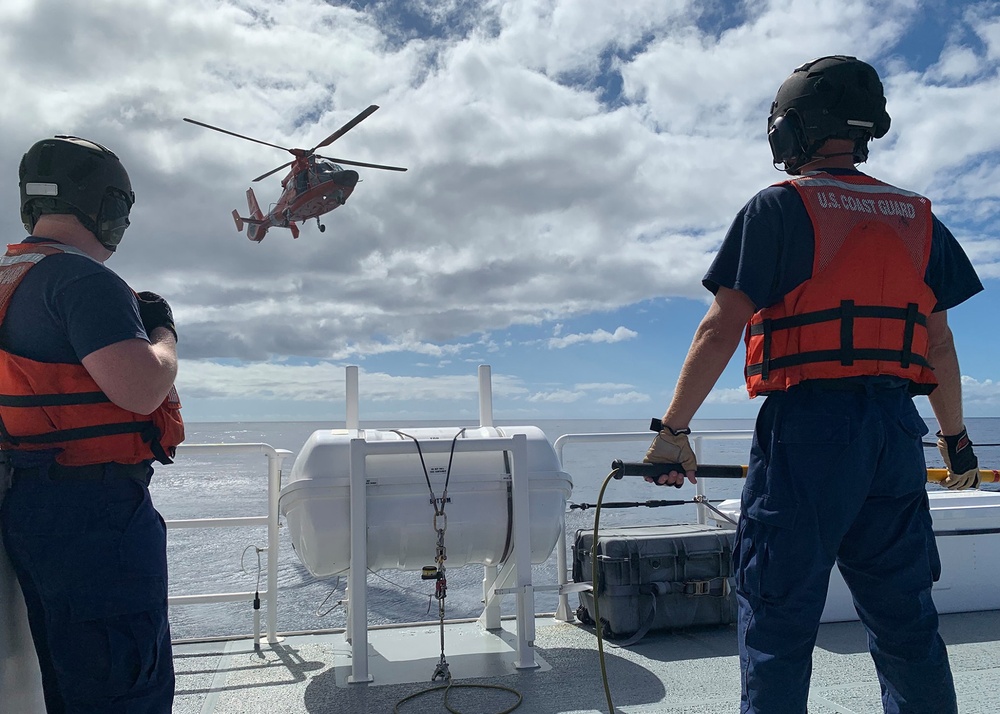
[361,163]
[264,176]
[346,128]
[233,133]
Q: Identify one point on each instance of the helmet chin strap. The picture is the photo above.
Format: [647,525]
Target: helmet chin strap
[821,157]
[794,170]
[817,157]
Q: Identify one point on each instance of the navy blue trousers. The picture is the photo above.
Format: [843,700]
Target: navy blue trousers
[838,477]
[90,556]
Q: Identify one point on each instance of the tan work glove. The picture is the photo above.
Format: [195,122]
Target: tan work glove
[963,466]
[672,447]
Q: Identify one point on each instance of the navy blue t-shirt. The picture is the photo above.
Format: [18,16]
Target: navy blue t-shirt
[66,307]
[768,252]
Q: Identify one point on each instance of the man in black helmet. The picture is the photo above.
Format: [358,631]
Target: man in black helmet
[87,403]
[841,284]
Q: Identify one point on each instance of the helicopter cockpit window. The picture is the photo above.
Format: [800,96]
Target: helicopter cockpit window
[325,168]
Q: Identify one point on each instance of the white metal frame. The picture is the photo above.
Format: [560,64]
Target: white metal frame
[357,580]
[357,577]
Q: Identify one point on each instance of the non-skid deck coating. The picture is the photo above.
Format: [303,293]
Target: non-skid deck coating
[685,672]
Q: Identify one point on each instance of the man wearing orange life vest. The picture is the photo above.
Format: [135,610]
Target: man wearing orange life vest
[841,285]
[87,403]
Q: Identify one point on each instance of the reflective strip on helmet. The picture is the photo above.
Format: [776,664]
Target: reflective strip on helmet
[41,189]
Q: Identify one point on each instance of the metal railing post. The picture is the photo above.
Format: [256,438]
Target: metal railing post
[273,492]
[563,611]
[699,487]
[522,555]
[490,618]
[491,613]
[357,576]
[352,412]
[485,396]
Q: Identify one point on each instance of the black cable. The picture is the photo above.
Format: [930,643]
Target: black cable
[451,457]
[451,685]
[594,579]
[420,453]
[637,504]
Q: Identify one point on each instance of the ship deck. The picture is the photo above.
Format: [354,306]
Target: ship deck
[692,671]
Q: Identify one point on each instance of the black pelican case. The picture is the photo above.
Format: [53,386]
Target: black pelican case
[656,577]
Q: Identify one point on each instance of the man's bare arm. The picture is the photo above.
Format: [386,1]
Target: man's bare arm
[715,341]
[946,399]
[135,374]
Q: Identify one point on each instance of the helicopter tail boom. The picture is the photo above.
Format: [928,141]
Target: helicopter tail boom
[257,224]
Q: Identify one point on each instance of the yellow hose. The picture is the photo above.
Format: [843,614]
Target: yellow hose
[933,475]
[985,475]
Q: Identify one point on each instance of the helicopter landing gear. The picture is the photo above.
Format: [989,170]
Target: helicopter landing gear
[322,228]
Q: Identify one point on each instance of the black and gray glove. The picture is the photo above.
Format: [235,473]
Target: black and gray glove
[671,447]
[963,466]
[155,312]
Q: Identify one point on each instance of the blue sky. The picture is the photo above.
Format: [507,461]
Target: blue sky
[573,166]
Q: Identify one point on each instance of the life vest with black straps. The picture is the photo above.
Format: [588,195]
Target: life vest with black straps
[864,309]
[59,406]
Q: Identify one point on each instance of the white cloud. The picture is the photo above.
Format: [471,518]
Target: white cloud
[536,196]
[603,393]
[602,386]
[325,382]
[623,398]
[559,396]
[955,65]
[978,395]
[727,395]
[619,335]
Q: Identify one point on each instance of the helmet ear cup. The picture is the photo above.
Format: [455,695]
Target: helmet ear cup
[786,139]
[882,124]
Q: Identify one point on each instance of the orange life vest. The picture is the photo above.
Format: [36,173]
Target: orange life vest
[59,406]
[864,309]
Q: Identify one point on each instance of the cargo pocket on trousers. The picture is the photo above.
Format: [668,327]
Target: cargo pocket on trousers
[121,635]
[767,523]
[913,424]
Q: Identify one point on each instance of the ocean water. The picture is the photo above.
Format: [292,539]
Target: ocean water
[226,560]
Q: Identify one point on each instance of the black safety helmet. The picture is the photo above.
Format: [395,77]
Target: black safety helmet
[67,174]
[836,97]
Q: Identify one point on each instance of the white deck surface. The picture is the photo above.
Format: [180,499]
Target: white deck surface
[685,672]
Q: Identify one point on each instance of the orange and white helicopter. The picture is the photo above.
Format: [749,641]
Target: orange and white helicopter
[315,185]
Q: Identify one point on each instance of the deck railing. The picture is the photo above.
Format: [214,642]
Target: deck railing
[494,586]
[270,520]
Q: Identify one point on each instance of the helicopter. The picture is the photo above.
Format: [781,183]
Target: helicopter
[315,185]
